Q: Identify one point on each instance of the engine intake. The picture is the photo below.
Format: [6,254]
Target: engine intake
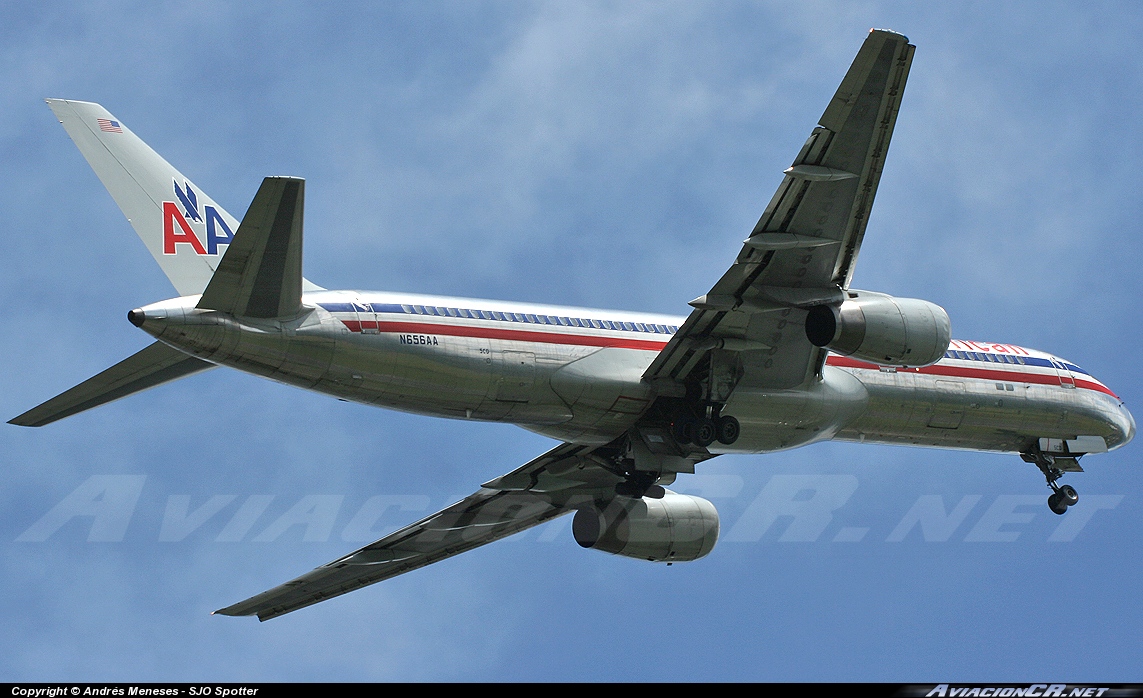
[676,528]
[882,329]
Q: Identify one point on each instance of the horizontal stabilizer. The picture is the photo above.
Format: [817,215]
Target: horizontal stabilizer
[260,275]
[155,365]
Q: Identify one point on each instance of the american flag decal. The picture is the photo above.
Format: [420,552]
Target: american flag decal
[109,126]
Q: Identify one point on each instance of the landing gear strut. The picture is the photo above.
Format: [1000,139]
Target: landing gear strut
[1063,496]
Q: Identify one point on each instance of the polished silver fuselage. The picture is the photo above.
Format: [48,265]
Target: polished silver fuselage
[576,375]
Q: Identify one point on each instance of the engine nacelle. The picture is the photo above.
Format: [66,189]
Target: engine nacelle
[676,528]
[882,329]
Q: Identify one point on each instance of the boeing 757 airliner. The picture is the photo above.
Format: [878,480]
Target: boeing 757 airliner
[781,352]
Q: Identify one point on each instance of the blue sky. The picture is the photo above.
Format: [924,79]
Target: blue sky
[596,154]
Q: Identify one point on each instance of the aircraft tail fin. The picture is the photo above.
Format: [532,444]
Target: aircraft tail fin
[155,365]
[184,229]
[261,274]
[180,225]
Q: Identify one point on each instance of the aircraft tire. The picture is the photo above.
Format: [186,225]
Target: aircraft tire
[728,430]
[705,432]
[683,430]
[1056,504]
[1068,495]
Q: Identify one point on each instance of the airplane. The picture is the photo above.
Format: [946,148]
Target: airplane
[781,352]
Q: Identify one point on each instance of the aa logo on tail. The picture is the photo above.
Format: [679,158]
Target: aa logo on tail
[177,229]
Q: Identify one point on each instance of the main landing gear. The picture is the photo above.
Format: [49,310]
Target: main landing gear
[1053,468]
[705,430]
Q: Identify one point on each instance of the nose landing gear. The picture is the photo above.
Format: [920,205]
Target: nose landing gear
[1053,468]
[1062,498]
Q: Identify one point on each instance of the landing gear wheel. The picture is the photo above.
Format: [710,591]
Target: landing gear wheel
[1064,496]
[1056,505]
[705,432]
[683,430]
[728,430]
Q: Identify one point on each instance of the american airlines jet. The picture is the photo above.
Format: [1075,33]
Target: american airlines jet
[780,353]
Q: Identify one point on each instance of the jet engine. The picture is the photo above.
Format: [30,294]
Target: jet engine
[881,329]
[676,528]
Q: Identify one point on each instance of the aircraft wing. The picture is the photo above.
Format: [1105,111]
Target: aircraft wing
[802,251]
[554,484]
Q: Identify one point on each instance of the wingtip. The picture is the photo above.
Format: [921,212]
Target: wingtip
[890,32]
[229,612]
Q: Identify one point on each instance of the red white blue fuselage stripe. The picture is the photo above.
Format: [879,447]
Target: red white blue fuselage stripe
[963,360]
